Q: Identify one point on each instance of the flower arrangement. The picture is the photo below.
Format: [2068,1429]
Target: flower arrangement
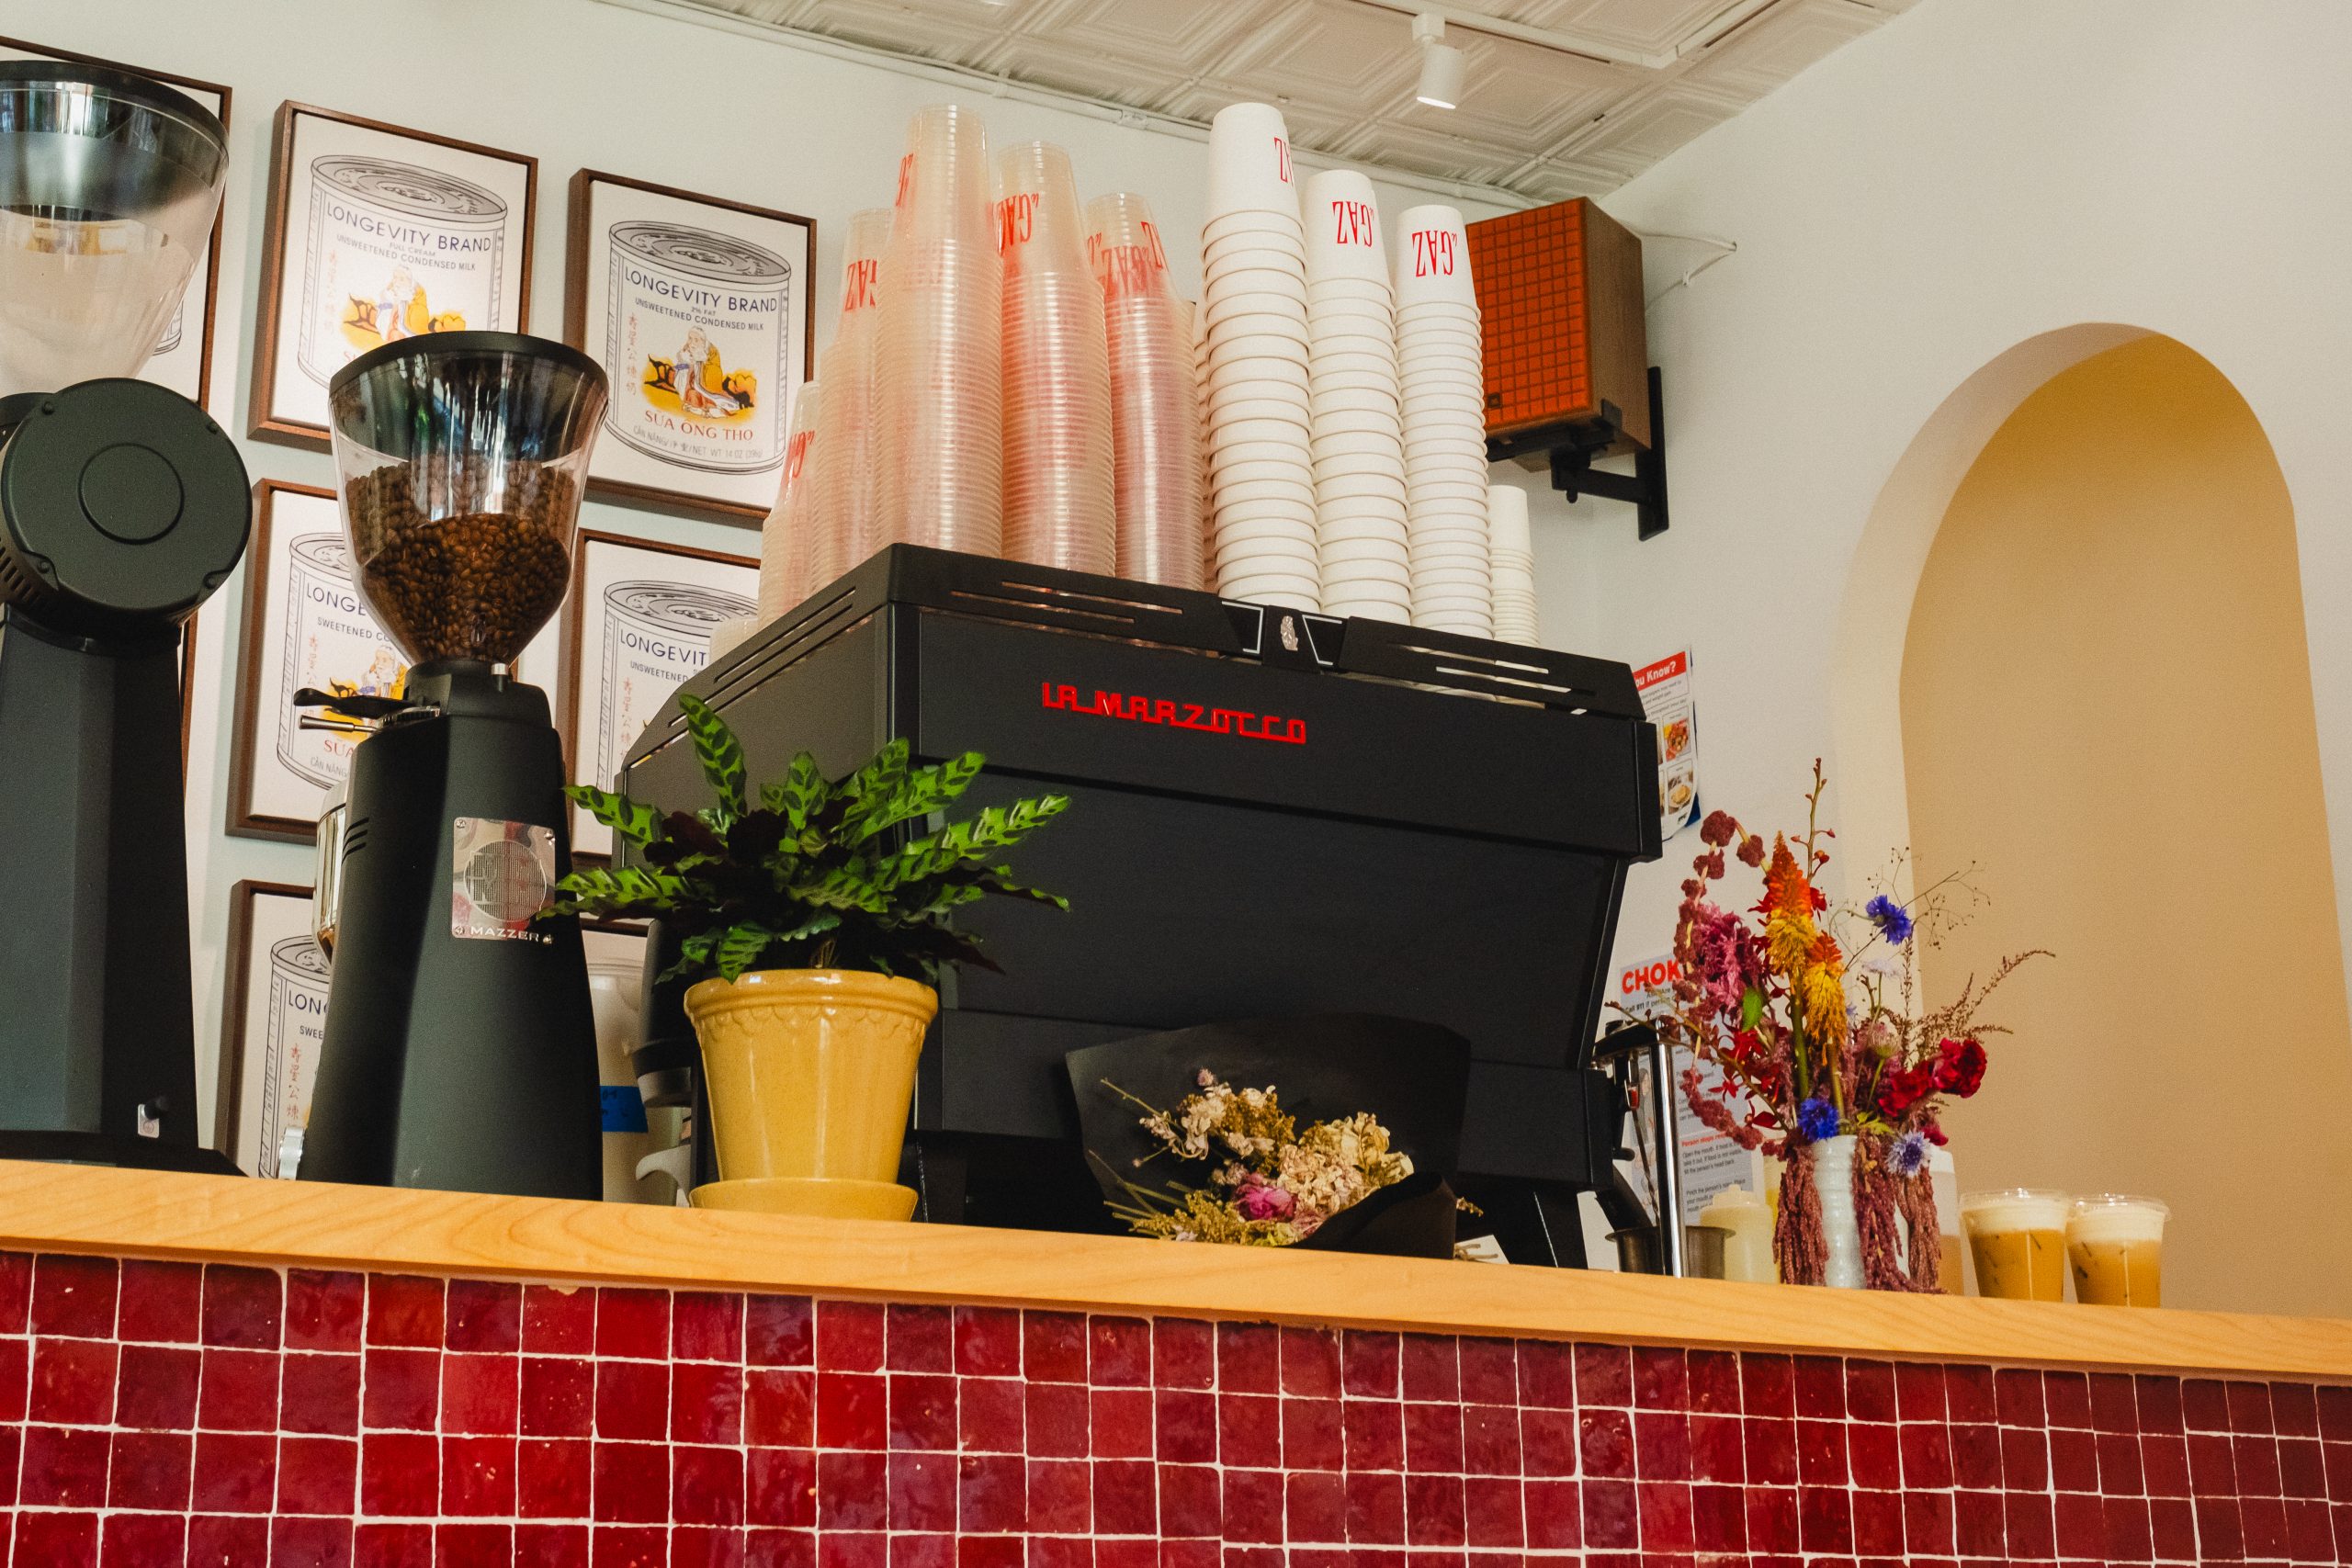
[1271,1185]
[1806,1015]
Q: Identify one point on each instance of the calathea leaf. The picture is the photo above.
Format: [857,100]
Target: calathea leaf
[878,780]
[618,812]
[925,790]
[740,946]
[718,751]
[799,795]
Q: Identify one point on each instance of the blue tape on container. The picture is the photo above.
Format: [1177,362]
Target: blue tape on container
[624,1107]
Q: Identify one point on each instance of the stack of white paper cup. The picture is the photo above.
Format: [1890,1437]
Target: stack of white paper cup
[1155,397]
[788,555]
[1058,507]
[1356,428]
[1441,375]
[1253,265]
[1512,556]
[840,473]
[939,438]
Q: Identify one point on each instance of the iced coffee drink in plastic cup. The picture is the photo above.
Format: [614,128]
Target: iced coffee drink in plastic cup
[2017,1236]
[2116,1243]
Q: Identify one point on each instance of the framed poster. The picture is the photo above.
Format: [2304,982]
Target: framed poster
[182,361]
[698,310]
[377,233]
[187,692]
[639,623]
[273,1017]
[305,625]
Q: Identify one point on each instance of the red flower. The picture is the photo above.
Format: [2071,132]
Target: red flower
[1718,830]
[1960,1066]
[1751,851]
[1904,1087]
[1935,1135]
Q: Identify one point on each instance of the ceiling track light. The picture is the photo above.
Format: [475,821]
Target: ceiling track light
[1442,65]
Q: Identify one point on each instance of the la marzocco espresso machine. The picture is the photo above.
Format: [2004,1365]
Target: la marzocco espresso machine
[1273,814]
[459,1049]
[122,507]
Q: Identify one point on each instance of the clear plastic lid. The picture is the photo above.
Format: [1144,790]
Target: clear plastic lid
[462,457]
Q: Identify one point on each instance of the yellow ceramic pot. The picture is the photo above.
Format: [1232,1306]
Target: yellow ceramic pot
[811,1076]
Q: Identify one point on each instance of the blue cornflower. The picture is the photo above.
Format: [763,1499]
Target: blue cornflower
[1908,1156]
[1892,920]
[1817,1119]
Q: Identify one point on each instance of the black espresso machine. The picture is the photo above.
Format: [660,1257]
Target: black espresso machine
[1273,813]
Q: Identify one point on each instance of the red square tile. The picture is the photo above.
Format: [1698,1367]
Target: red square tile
[1821,1387]
[233,1472]
[392,1546]
[1976,1456]
[2028,1526]
[922,1412]
[706,1485]
[1824,1519]
[74,1295]
[2221,1537]
[1433,1510]
[631,1482]
[1122,1421]
[1968,1393]
[558,1396]
[708,1326]
[989,1493]
[988,1342]
[2311,1537]
[1766,1385]
[923,1492]
[989,1415]
[2159,1402]
[2025,1460]
[1433,1438]
[2205,1405]
[2294,1410]
[1547,1375]
[1058,1418]
[15,1290]
[1253,1505]
[483,1316]
[1312,1435]
[1771,1520]
[2302,1471]
[2265,1521]
[242,1306]
[632,1322]
[632,1400]
[1878,1523]
[2066,1395]
[478,1476]
[1661,1379]
[159,1301]
[860,1550]
[2073,1460]
[1376,1509]
[2119,1465]
[636,1546]
[1919,1390]
[1715,1381]
[1661,1445]
[1316,1509]
[1249,1358]
[780,1487]
[2257,1460]
[2173,1523]
[2017,1395]
[317,1475]
[1611,1516]
[706,1402]
[73,1382]
[1192,1503]
[149,1470]
[157,1386]
[1124,1497]
[1928,1523]
[2250,1408]
[1374,1433]
[934,1551]
[310,1543]
[1431,1367]
[400,1389]
[851,1336]
[2163,1465]
[152,1540]
[780,1406]
[1248,1430]
[1185,1423]
[1369,1361]
[1821,1453]
[232,1542]
[559,1320]
[1183,1353]
[1927,1457]
[1489,1370]
[2125,1528]
[1717,1448]
[1872,1457]
[1771,1452]
[57,1538]
[324,1309]
[479,1393]
[1547,1442]
[404,1309]
[551,1546]
[1665,1516]
[779,1331]
[1719,1520]
[1119,1352]
[796,1549]
[319,1394]
[1054,1346]
[2081,1525]
[2114,1402]
[399,1473]
[240,1392]
[2212,1471]
[473,1546]
[16,1356]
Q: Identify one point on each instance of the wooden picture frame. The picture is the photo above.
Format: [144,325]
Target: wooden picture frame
[648,271]
[656,606]
[383,178]
[187,692]
[304,624]
[183,363]
[273,1013]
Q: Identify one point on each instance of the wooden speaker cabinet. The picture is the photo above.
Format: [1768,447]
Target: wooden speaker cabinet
[1568,358]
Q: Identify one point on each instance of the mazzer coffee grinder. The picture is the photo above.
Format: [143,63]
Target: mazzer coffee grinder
[122,508]
[459,1052]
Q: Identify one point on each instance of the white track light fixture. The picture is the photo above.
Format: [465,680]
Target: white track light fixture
[1442,65]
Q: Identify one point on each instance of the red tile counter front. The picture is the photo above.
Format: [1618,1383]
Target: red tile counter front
[155,1414]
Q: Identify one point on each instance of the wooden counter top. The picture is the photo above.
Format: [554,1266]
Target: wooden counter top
[124,1212]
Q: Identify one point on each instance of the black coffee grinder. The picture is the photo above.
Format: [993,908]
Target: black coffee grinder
[460,1051]
[122,507]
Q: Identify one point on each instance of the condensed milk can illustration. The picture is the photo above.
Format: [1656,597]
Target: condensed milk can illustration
[656,634]
[395,250]
[332,645]
[297,1021]
[698,347]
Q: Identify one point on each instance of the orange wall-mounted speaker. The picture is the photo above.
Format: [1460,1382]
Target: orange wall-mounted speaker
[1560,292]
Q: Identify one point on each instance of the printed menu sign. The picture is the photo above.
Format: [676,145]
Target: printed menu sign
[1664,687]
[1711,1161]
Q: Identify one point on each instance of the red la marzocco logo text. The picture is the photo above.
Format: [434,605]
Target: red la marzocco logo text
[1179,715]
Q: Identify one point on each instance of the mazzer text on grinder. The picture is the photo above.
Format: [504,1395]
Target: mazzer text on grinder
[122,507]
[459,1049]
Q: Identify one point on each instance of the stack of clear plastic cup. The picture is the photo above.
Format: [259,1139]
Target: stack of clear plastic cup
[1195,326]
[1155,397]
[1512,554]
[1354,419]
[841,481]
[788,555]
[1253,266]
[1441,373]
[939,433]
[1058,507]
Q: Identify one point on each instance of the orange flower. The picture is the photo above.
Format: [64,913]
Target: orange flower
[1824,988]
[1788,911]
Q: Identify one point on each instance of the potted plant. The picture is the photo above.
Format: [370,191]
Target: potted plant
[818,914]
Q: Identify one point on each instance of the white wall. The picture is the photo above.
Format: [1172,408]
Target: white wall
[1974,173]
[577,85]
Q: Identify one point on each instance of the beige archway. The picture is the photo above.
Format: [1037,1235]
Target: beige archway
[2098,689]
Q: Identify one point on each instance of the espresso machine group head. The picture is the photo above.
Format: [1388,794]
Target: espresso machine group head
[459,1049]
[123,506]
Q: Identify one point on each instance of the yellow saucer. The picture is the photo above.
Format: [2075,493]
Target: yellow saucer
[831,1197]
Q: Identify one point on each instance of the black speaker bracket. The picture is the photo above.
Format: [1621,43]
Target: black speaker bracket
[1572,449]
